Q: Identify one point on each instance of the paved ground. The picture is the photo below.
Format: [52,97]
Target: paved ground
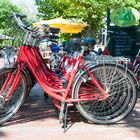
[38,120]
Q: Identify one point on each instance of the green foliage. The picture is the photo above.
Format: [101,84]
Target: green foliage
[6,9]
[8,26]
[91,11]
[121,3]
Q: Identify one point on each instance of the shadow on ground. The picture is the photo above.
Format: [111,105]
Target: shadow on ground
[133,119]
[2,134]
[37,107]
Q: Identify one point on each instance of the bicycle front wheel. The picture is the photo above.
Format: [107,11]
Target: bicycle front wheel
[10,105]
[122,94]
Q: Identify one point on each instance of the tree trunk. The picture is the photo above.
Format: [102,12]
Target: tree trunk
[89,32]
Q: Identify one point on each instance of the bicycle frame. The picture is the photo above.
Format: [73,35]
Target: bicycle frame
[50,82]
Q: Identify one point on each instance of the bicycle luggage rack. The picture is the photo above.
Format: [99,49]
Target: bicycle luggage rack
[111,59]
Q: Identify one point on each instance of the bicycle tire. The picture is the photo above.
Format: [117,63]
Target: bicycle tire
[122,91]
[137,73]
[15,101]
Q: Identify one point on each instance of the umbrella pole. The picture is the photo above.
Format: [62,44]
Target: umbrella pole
[59,35]
[59,38]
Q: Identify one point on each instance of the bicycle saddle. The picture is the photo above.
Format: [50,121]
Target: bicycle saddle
[75,44]
[89,42]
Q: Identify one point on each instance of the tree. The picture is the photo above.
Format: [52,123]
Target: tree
[92,11]
[6,9]
[7,25]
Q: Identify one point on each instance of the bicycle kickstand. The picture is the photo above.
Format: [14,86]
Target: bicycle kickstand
[63,115]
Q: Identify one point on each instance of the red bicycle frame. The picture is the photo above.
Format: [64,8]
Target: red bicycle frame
[48,80]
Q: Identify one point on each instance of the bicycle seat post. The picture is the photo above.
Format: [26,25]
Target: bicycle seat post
[82,51]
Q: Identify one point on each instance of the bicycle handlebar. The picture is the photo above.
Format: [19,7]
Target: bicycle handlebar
[21,15]
[45,28]
[17,18]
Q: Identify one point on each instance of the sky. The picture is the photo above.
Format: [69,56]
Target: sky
[28,6]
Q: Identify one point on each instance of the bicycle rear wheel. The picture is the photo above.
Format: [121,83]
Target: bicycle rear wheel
[122,94]
[137,73]
[9,106]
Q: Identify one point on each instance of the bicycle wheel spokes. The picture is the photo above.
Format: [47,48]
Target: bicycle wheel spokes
[107,76]
[88,91]
[9,105]
[121,100]
[7,79]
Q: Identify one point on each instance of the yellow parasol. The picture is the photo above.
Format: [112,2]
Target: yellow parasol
[64,25]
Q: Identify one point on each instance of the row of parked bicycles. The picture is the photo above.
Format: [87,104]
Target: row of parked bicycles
[103,88]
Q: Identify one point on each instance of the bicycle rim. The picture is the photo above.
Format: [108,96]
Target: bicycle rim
[121,100]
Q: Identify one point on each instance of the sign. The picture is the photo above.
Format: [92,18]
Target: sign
[123,43]
[46,54]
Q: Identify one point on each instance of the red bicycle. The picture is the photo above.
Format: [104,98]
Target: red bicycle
[103,93]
